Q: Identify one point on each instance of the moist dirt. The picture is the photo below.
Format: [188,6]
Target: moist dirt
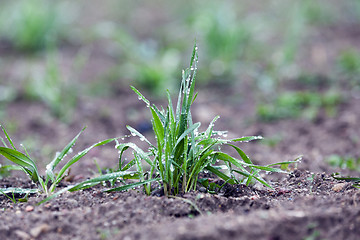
[308,203]
[303,205]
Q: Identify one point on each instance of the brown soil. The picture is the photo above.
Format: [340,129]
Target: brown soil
[304,205]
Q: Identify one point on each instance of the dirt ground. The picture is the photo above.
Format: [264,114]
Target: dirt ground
[306,204]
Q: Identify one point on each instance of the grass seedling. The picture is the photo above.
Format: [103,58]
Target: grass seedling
[355,180]
[181,152]
[48,183]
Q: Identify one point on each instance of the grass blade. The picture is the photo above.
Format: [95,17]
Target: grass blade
[186,132]
[103,178]
[78,157]
[23,161]
[8,137]
[139,151]
[157,126]
[54,195]
[132,185]
[141,97]
[220,174]
[348,179]
[242,154]
[51,166]
[136,133]
[247,139]
[17,190]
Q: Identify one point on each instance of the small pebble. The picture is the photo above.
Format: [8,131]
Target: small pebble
[36,231]
[338,187]
[29,208]
[202,189]
[22,235]
[254,197]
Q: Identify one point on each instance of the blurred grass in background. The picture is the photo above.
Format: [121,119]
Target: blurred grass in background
[264,44]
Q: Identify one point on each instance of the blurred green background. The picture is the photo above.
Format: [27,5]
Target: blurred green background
[57,51]
[66,64]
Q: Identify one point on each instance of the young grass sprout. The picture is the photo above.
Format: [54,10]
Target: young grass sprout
[182,152]
[48,183]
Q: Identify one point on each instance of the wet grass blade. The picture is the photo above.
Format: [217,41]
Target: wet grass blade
[141,97]
[123,146]
[17,190]
[157,126]
[220,174]
[103,178]
[132,185]
[242,154]
[247,139]
[23,161]
[51,166]
[55,195]
[134,132]
[76,158]
[186,132]
[8,137]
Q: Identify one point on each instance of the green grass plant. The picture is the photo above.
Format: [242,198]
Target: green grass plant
[46,184]
[182,152]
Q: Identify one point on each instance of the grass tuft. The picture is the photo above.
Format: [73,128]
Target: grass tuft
[181,152]
[46,184]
